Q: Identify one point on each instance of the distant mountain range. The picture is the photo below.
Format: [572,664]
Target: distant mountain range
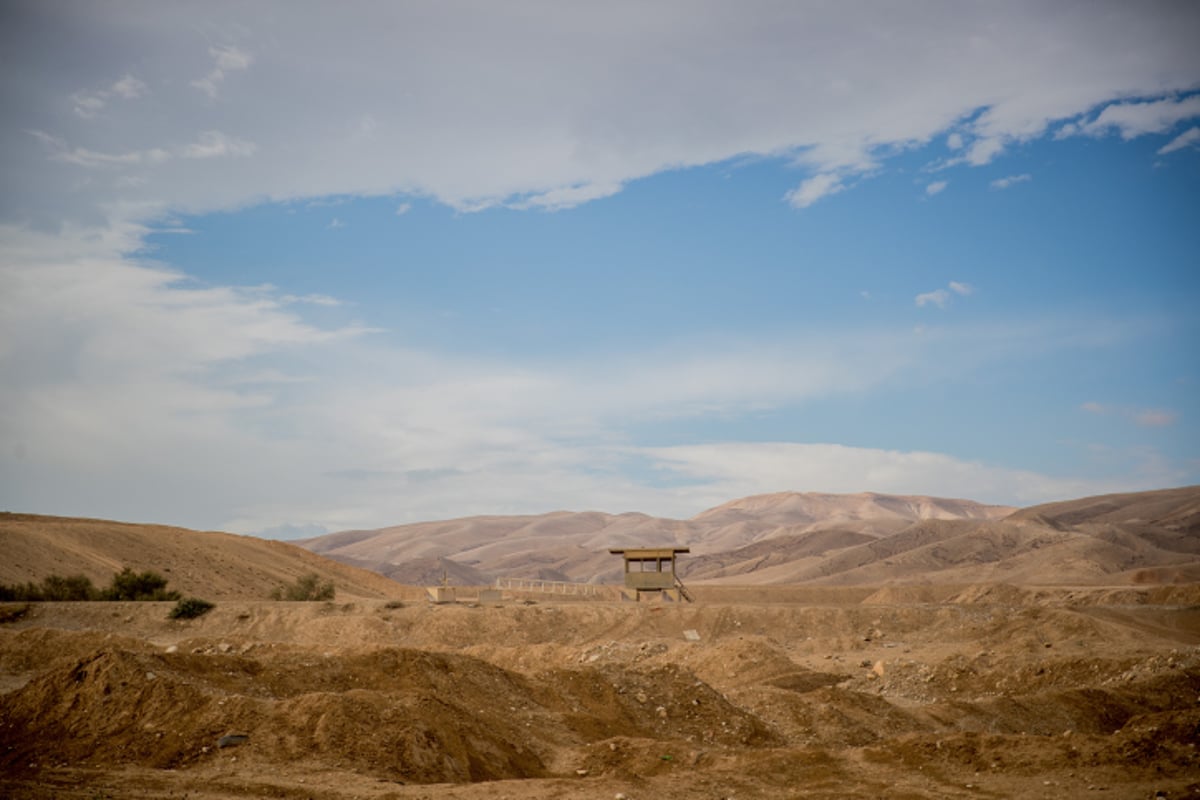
[788,538]
[795,537]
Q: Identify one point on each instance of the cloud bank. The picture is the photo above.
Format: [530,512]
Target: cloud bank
[384,101]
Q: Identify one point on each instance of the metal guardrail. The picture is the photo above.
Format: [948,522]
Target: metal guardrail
[555,587]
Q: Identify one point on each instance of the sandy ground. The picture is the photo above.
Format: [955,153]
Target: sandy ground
[924,692]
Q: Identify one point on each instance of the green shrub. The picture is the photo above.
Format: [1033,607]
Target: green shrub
[126,585]
[306,587]
[190,608]
[54,588]
[130,585]
[21,591]
[70,588]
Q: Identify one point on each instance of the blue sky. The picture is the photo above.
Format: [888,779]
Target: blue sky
[281,270]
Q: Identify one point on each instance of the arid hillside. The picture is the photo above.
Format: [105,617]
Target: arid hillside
[206,564]
[862,539]
[858,539]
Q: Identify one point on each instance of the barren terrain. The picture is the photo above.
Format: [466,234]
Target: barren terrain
[923,692]
[902,689]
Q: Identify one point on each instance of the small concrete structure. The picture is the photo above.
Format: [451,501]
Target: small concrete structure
[652,569]
[441,594]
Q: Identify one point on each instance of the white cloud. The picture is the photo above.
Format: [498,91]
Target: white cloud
[936,187]
[226,59]
[567,196]
[89,104]
[1189,138]
[134,393]
[311,299]
[209,144]
[336,223]
[813,189]
[737,469]
[1139,118]
[1143,417]
[942,297]
[83,157]
[371,103]
[119,380]
[214,144]
[938,297]
[983,151]
[129,87]
[403,209]
[1011,180]
[1155,417]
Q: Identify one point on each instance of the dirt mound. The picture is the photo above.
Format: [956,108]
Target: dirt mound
[402,715]
[1017,691]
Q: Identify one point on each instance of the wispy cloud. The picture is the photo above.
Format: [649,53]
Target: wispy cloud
[1143,417]
[214,144]
[257,406]
[226,59]
[1135,119]
[1189,138]
[937,187]
[942,297]
[813,189]
[88,104]
[737,469]
[209,144]
[1011,180]
[311,299]
[567,196]
[1155,418]
[80,156]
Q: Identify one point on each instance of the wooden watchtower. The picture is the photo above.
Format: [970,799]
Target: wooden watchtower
[652,569]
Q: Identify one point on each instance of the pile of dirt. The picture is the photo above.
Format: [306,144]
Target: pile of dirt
[1014,691]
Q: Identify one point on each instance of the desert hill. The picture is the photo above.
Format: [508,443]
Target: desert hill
[791,537]
[205,564]
[786,538]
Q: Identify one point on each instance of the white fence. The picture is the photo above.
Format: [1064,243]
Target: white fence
[538,586]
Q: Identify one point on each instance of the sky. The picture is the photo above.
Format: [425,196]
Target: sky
[287,268]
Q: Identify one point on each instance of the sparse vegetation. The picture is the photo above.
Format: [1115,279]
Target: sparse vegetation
[190,608]
[55,587]
[126,585]
[306,587]
[130,585]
